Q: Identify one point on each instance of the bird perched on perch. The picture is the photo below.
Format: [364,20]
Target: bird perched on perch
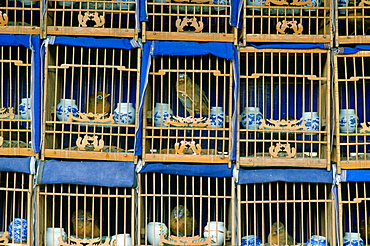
[279,236]
[98,103]
[181,221]
[84,226]
[365,229]
[190,96]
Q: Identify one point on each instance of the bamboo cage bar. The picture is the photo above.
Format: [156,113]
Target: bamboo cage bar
[15,101]
[352,87]
[16,208]
[284,109]
[78,213]
[197,201]
[100,123]
[206,21]
[21,17]
[188,110]
[282,213]
[91,18]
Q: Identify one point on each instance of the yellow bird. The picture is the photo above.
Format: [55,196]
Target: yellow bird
[98,103]
[84,226]
[278,235]
[189,94]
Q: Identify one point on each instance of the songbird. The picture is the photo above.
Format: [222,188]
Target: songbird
[181,221]
[365,229]
[98,103]
[84,226]
[189,95]
[279,236]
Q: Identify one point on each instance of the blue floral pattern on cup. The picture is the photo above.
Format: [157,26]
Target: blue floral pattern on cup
[251,240]
[66,110]
[352,242]
[158,117]
[317,240]
[123,118]
[217,117]
[18,230]
[221,2]
[349,122]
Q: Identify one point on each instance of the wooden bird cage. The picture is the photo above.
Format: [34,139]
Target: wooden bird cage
[352,88]
[198,201]
[354,210]
[195,20]
[352,22]
[303,209]
[291,21]
[90,103]
[101,214]
[284,107]
[15,101]
[91,18]
[16,208]
[199,132]
[20,17]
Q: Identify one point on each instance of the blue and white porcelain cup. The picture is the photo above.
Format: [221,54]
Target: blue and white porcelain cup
[251,240]
[315,3]
[220,2]
[217,117]
[18,229]
[317,240]
[312,121]
[352,239]
[124,114]
[347,120]
[25,108]
[251,118]
[160,113]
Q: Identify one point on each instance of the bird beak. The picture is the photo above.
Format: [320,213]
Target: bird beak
[107,95]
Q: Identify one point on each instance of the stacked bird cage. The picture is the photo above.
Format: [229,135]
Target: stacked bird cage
[16,208]
[20,16]
[184,207]
[90,99]
[284,107]
[353,193]
[285,207]
[85,207]
[194,20]
[352,87]
[289,21]
[16,67]
[352,22]
[91,18]
[187,107]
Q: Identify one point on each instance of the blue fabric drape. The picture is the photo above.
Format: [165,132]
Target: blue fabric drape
[353,50]
[248,176]
[200,170]
[289,46]
[115,43]
[109,174]
[155,48]
[355,175]
[31,42]
[145,65]
[16,164]
[183,48]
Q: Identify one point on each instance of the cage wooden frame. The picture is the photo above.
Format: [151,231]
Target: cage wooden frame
[160,142]
[122,82]
[15,84]
[252,149]
[154,199]
[351,84]
[91,18]
[195,20]
[57,203]
[14,11]
[259,205]
[286,21]
[353,208]
[18,189]
[351,23]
